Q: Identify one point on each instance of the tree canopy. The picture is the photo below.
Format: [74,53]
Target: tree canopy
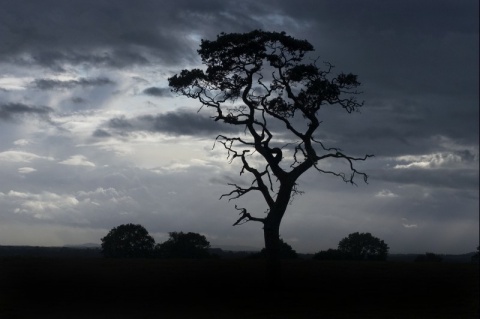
[184,245]
[363,246]
[128,241]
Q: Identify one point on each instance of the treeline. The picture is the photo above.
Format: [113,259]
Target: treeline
[364,246]
[134,241]
[95,252]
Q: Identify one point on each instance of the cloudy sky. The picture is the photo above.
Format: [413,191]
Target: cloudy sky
[92,137]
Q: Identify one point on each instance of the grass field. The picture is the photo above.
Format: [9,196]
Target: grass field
[102,288]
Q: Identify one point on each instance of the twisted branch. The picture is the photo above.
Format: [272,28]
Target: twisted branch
[246,217]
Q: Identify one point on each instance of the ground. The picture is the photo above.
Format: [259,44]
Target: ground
[106,288]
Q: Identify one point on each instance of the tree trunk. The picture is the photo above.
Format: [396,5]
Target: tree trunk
[271,232]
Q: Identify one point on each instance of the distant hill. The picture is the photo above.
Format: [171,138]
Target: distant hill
[236,248]
[448,258]
[87,245]
[92,250]
[61,252]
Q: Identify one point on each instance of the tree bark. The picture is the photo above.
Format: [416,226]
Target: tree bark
[271,231]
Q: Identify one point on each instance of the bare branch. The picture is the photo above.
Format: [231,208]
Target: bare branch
[328,149]
[353,170]
[240,191]
[246,217]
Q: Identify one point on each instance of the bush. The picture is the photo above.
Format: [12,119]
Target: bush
[331,254]
[183,245]
[286,252]
[429,257]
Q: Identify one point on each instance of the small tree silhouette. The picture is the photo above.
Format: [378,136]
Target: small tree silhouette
[363,246]
[128,241]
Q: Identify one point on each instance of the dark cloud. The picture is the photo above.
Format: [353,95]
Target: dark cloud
[458,179]
[100,133]
[47,84]
[156,91]
[12,111]
[78,100]
[56,60]
[467,156]
[404,126]
[114,33]
[422,17]
[181,122]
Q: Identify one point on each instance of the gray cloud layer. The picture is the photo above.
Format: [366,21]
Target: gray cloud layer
[47,84]
[182,122]
[111,33]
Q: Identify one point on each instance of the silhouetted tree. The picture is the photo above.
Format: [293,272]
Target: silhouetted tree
[128,241]
[363,246]
[259,82]
[429,257]
[286,252]
[331,254]
[184,245]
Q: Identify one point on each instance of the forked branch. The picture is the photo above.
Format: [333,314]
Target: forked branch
[246,217]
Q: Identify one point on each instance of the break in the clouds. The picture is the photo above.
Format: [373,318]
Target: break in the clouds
[92,136]
[26,170]
[20,156]
[77,160]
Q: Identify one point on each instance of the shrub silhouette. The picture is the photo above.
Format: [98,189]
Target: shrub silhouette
[286,252]
[128,241]
[475,256]
[183,245]
[429,257]
[331,254]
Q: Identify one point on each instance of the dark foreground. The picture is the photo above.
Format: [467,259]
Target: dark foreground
[100,288]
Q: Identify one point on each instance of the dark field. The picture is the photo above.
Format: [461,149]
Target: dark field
[101,288]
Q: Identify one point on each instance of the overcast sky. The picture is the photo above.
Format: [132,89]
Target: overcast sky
[92,137]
